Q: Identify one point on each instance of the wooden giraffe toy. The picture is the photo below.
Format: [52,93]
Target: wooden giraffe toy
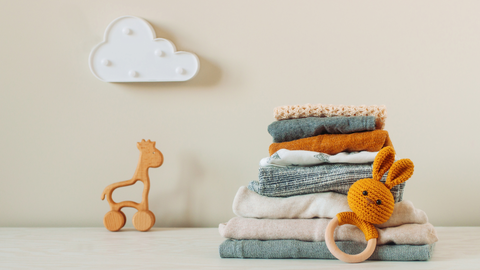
[144,219]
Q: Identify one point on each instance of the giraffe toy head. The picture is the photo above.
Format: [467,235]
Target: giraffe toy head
[151,155]
[370,199]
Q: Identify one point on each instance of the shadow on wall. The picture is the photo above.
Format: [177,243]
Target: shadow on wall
[208,75]
[176,208]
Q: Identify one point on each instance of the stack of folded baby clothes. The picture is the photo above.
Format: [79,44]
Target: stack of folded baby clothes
[319,151]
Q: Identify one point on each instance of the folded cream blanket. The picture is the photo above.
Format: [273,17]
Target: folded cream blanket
[319,110]
[250,204]
[314,230]
[284,157]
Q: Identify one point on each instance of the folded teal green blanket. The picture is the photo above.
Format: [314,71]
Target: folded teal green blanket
[296,249]
[294,129]
[335,177]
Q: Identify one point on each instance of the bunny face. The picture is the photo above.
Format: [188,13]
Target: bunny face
[371,200]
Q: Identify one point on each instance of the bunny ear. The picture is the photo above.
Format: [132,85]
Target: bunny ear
[383,161]
[400,172]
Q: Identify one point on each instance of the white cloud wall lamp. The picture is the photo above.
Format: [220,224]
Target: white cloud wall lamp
[131,52]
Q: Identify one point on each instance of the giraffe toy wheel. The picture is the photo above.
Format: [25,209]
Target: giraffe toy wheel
[143,220]
[114,220]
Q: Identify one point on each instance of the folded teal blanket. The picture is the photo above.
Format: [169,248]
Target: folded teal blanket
[294,129]
[335,177]
[296,249]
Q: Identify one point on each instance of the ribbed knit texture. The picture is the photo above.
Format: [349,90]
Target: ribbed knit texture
[351,218]
[294,129]
[336,177]
[308,110]
[332,144]
[296,249]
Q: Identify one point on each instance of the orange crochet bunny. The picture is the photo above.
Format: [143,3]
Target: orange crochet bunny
[371,202]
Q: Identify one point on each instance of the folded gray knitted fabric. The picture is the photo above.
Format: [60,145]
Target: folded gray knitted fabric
[295,249]
[294,129]
[290,181]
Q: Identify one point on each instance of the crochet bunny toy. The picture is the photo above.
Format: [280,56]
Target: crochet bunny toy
[371,202]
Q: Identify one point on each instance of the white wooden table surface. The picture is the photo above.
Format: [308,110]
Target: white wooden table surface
[192,248]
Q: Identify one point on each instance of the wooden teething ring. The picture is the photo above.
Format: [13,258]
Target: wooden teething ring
[330,241]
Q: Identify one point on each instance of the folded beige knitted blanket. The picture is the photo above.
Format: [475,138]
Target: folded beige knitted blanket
[250,204]
[308,110]
[314,230]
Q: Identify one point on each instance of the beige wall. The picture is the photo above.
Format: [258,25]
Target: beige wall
[66,135]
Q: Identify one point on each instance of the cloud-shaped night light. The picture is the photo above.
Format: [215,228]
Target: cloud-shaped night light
[132,53]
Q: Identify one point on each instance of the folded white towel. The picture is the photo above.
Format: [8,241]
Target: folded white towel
[284,157]
[250,204]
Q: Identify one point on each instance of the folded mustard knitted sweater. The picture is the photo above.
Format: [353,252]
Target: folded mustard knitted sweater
[333,144]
